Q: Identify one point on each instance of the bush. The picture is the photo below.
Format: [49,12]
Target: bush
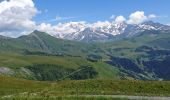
[86,72]
[94,58]
[45,72]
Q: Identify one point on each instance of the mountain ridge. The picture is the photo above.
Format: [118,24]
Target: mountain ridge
[111,31]
[132,57]
[108,32]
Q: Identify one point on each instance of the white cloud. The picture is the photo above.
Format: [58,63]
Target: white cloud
[16,17]
[62,28]
[73,27]
[100,24]
[70,27]
[139,17]
[120,19]
[45,27]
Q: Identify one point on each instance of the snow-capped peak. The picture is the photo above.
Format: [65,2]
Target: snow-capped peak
[110,28]
[63,30]
[101,30]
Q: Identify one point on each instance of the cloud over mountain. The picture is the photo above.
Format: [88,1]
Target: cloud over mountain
[16,17]
[63,28]
[139,17]
[120,19]
[73,27]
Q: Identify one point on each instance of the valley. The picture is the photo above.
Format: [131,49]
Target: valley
[38,65]
[84,50]
[141,57]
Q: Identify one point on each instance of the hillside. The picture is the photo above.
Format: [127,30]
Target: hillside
[144,56]
[12,88]
[9,85]
[84,50]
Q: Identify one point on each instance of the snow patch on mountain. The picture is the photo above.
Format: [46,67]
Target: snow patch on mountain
[106,30]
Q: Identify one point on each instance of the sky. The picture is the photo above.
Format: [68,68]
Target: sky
[95,10]
[19,17]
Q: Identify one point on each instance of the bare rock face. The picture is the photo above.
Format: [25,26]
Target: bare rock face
[110,31]
[6,71]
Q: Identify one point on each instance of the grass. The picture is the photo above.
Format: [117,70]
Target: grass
[111,87]
[75,53]
[16,61]
[102,85]
[10,86]
[106,71]
[19,89]
[62,98]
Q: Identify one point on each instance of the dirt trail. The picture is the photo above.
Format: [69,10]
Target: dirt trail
[132,97]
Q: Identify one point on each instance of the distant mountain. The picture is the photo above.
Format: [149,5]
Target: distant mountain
[79,31]
[4,37]
[132,30]
[108,32]
[145,55]
[43,42]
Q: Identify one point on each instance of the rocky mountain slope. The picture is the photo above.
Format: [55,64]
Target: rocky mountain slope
[144,56]
[110,31]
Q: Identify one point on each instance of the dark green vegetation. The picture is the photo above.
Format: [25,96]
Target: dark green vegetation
[54,72]
[40,56]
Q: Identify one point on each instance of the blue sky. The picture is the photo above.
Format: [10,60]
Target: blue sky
[99,10]
[19,17]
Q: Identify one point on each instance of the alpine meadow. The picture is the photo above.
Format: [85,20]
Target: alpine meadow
[84,50]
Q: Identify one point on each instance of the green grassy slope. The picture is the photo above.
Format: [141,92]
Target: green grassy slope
[25,88]
[10,86]
[40,41]
[111,87]
[16,63]
[127,55]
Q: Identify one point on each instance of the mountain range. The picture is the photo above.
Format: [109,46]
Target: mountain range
[135,52]
[110,31]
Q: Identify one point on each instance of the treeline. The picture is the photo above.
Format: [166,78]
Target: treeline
[27,52]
